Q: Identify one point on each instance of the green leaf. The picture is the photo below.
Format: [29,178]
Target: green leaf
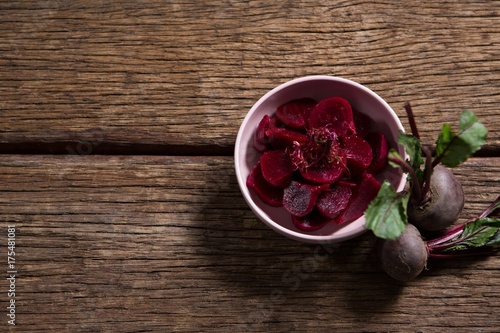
[453,149]
[495,240]
[413,149]
[481,232]
[444,139]
[386,214]
[394,155]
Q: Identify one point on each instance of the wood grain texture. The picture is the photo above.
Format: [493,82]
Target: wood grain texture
[140,240]
[167,244]
[170,75]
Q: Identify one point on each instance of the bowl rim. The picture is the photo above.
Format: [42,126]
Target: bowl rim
[300,236]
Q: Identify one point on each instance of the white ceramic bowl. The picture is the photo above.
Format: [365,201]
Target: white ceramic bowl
[318,87]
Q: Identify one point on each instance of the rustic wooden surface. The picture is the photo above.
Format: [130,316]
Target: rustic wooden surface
[117,125]
[133,244]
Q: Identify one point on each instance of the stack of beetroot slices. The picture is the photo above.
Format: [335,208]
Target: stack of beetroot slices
[318,161]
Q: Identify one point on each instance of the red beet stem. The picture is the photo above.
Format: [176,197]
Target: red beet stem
[490,210]
[427,173]
[449,234]
[462,253]
[411,120]
[416,188]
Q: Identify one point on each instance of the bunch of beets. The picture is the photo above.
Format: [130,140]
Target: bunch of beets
[420,223]
[319,161]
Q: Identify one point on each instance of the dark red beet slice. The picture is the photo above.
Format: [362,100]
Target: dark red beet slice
[380,150]
[362,196]
[325,173]
[269,194]
[277,167]
[334,113]
[332,202]
[260,140]
[280,138]
[294,114]
[347,183]
[299,199]
[311,222]
[362,123]
[358,152]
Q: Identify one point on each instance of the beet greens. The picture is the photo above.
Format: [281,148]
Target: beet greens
[476,236]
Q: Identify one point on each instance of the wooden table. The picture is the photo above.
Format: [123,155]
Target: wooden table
[117,127]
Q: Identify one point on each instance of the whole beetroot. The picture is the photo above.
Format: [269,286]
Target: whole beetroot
[443,204]
[405,257]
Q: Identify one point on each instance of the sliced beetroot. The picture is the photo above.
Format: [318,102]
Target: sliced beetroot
[294,114]
[318,161]
[269,194]
[281,138]
[334,113]
[332,202]
[361,197]
[347,183]
[358,153]
[362,123]
[260,139]
[380,150]
[326,173]
[299,199]
[311,222]
[277,168]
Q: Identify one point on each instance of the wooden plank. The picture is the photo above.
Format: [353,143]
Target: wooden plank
[168,76]
[167,244]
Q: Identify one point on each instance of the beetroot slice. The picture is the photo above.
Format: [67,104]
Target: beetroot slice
[311,222]
[299,199]
[277,167]
[281,138]
[294,114]
[334,113]
[269,194]
[260,140]
[362,123]
[362,196]
[326,173]
[346,183]
[332,202]
[380,150]
[359,154]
